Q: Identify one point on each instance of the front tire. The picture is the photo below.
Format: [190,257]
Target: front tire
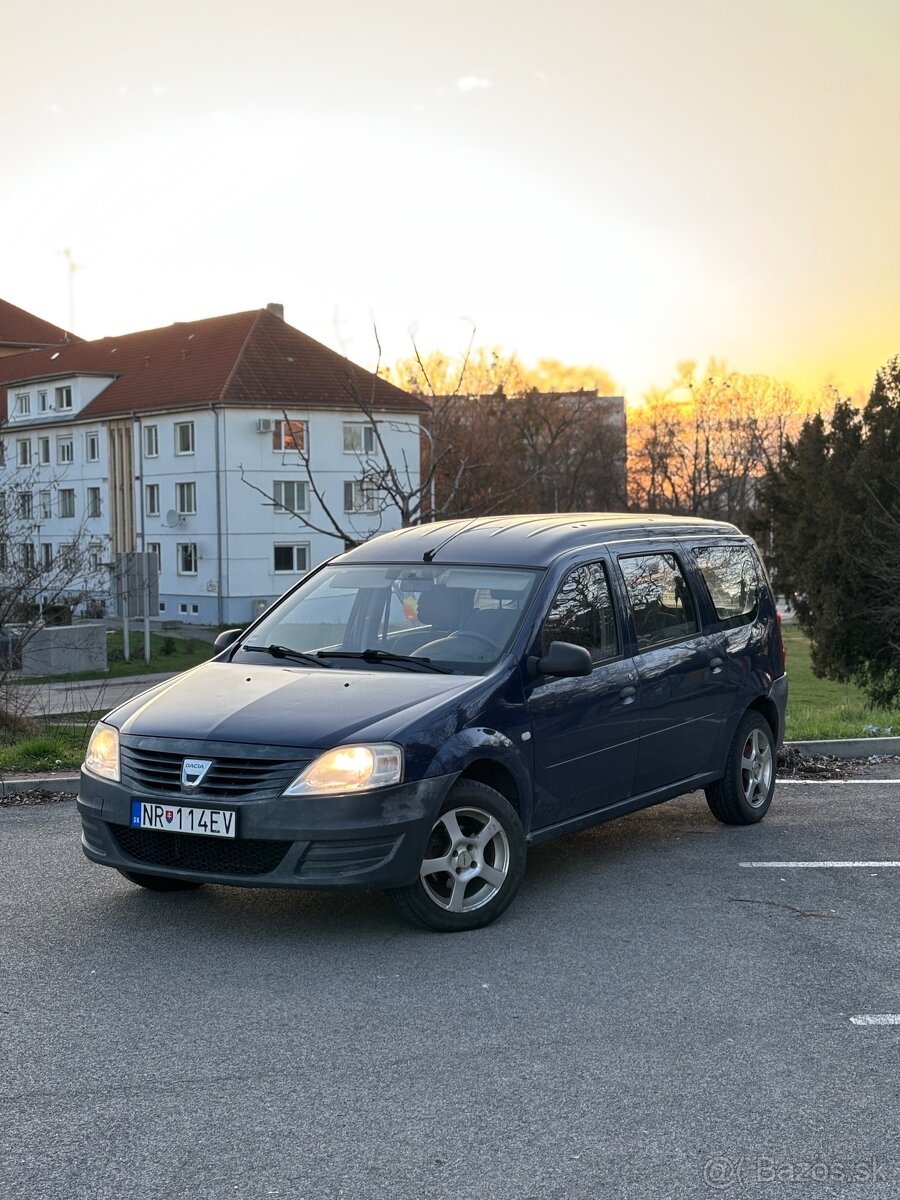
[743,795]
[159,883]
[473,865]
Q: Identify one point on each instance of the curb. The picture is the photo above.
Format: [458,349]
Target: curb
[52,783]
[849,747]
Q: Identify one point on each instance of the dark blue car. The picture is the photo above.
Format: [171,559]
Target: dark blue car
[417,711]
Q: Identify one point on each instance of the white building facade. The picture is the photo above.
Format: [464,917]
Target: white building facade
[234,449]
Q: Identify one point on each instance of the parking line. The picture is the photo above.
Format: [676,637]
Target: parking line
[842,781]
[876,1019]
[824,863]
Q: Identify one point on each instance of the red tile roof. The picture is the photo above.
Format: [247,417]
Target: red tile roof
[245,359]
[21,328]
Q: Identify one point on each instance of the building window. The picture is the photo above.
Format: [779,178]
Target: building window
[66,502]
[26,506]
[95,556]
[195,608]
[66,553]
[289,435]
[46,555]
[162,606]
[63,399]
[45,509]
[156,548]
[358,438]
[186,499]
[151,499]
[23,404]
[23,453]
[64,453]
[184,437]
[43,403]
[182,607]
[187,558]
[28,555]
[93,502]
[44,451]
[291,496]
[151,441]
[92,447]
[291,559]
[359,496]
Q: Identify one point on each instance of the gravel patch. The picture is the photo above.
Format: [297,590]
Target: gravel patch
[794,764]
[35,795]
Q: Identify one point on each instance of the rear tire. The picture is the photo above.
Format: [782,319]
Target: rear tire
[159,883]
[743,795]
[473,865]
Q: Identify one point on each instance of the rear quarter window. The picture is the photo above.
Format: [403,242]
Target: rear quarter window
[731,575]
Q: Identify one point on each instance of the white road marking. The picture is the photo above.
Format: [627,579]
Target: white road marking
[841,781]
[876,1019]
[825,863]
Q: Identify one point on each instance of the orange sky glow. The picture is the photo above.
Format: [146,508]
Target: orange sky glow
[626,185]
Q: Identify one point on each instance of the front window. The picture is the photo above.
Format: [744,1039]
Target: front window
[46,507]
[66,502]
[43,402]
[460,618]
[184,437]
[27,553]
[63,450]
[187,558]
[358,438]
[293,558]
[151,441]
[46,555]
[23,404]
[26,507]
[23,453]
[156,548]
[290,495]
[92,447]
[186,499]
[359,496]
[44,451]
[63,399]
[93,502]
[582,614]
[151,499]
[289,435]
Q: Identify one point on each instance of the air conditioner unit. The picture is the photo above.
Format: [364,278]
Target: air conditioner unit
[264,425]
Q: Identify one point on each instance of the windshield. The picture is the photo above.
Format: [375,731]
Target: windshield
[459,618]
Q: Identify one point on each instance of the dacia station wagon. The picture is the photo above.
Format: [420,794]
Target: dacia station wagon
[416,712]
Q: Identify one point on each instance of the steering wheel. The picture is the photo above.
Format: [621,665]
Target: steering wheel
[456,636]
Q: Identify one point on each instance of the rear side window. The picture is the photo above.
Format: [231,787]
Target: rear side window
[660,598]
[732,577]
[582,613]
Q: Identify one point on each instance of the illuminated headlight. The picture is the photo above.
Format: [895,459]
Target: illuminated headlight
[102,756]
[350,769]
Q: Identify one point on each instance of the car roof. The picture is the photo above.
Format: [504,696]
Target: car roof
[533,540]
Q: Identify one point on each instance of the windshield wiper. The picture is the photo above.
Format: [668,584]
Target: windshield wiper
[385,656]
[286,652]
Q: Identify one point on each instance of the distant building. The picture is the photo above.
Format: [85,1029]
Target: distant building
[144,442]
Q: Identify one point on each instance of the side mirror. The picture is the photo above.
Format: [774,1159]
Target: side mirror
[562,659]
[227,638]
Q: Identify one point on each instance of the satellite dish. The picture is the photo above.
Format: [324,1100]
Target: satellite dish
[172,519]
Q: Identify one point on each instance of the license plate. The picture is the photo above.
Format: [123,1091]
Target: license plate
[179,818]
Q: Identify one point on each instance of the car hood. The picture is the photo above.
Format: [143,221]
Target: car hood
[311,707]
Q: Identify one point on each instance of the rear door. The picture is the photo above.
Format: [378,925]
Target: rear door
[585,729]
[679,667]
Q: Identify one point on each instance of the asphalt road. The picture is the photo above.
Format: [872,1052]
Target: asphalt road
[650,1019]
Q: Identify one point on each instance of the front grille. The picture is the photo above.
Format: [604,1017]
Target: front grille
[159,771]
[193,852]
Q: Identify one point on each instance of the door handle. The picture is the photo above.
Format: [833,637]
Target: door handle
[715,665]
[627,695]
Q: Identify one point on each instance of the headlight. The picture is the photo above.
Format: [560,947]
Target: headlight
[102,756]
[350,769]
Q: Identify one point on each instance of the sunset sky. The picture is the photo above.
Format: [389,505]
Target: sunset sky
[624,184]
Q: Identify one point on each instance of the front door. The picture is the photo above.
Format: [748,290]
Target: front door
[585,729]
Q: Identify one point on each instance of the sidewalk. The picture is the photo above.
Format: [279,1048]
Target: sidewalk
[95,696]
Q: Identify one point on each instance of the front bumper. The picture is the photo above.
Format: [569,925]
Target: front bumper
[370,840]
